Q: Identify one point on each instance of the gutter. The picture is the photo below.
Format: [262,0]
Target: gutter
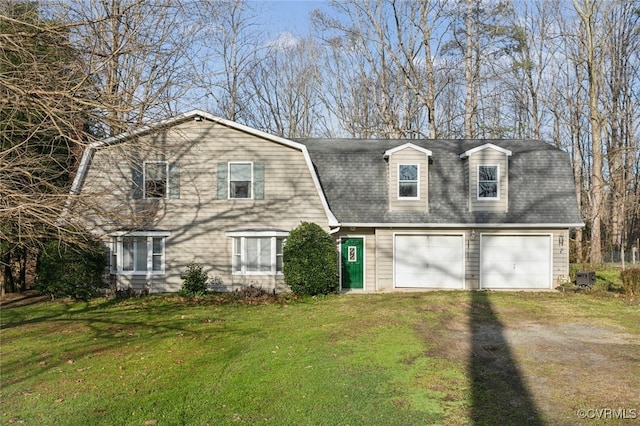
[458,225]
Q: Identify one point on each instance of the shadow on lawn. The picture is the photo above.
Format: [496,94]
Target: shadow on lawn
[498,392]
[67,331]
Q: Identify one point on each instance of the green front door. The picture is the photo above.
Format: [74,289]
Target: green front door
[352,250]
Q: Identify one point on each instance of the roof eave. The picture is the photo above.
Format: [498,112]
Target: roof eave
[192,115]
[405,146]
[468,152]
[459,225]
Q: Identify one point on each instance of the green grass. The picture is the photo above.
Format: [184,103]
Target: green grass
[338,360]
[317,362]
[607,276]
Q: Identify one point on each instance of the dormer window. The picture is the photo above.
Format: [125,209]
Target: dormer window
[488,173]
[488,182]
[408,181]
[408,178]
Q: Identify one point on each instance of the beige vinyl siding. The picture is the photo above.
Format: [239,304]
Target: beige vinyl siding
[409,156]
[472,260]
[560,256]
[488,157]
[384,259]
[371,261]
[198,220]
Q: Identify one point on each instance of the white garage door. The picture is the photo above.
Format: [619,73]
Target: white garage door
[429,261]
[515,261]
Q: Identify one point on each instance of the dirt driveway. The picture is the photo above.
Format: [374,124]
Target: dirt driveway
[545,368]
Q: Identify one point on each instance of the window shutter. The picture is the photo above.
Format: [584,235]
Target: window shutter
[222,181]
[137,181]
[258,178]
[174,181]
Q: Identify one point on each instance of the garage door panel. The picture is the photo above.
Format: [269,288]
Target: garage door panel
[515,261]
[429,261]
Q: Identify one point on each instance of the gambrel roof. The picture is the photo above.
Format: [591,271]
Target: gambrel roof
[173,121]
[351,178]
[353,175]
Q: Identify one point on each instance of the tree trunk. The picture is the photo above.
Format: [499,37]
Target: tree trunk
[429,97]
[3,280]
[470,101]
[586,13]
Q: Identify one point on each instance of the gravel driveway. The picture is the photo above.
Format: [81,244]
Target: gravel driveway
[544,367]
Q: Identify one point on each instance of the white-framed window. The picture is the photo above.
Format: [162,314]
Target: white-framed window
[257,253]
[138,253]
[488,182]
[240,180]
[408,181]
[156,179]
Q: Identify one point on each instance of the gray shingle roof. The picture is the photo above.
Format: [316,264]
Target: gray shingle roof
[353,175]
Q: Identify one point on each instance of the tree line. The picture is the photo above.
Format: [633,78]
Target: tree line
[565,71]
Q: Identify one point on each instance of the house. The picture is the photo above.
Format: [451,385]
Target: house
[406,214]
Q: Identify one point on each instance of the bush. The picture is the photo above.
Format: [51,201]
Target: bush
[71,271]
[195,281]
[250,292]
[631,280]
[310,261]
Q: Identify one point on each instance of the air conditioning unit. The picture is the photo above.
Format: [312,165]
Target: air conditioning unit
[585,278]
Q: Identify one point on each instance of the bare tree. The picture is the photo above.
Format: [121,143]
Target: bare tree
[374,68]
[73,72]
[480,37]
[374,45]
[621,45]
[471,69]
[285,85]
[587,11]
[45,103]
[415,24]
[231,45]
[530,61]
[136,53]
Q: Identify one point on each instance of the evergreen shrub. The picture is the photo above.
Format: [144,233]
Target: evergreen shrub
[194,281]
[310,261]
[76,271]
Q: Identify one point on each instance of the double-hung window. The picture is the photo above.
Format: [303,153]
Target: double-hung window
[408,181]
[240,180]
[156,179]
[138,253]
[488,182]
[257,253]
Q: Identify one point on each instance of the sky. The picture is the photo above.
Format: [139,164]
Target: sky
[290,15]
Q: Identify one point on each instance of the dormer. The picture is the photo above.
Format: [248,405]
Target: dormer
[488,171]
[408,177]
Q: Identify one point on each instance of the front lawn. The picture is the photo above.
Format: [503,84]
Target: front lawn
[393,359]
